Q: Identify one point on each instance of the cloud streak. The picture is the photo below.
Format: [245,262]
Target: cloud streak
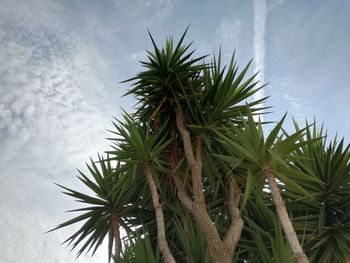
[261,11]
[260,15]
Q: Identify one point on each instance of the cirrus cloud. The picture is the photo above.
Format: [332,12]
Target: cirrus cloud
[53,112]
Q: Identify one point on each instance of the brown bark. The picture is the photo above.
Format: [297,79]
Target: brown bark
[194,162]
[221,251]
[215,244]
[116,233]
[163,245]
[234,233]
[282,213]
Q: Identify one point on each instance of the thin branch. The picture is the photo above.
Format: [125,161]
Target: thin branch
[234,232]
[116,233]
[163,245]
[282,213]
[233,198]
[195,163]
[182,194]
[186,140]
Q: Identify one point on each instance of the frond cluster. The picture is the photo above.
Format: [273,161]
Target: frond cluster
[179,94]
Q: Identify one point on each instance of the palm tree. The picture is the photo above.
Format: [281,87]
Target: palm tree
[268,159]
[324,218]
[191,99]
[109,210]
[195,179]
[137,147]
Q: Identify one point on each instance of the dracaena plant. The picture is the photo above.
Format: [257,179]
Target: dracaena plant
[190,172]
[325,218]
[189,98]
[267,159]
[139,147]
[113,206]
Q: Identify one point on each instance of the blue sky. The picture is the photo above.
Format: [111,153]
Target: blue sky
[62,61]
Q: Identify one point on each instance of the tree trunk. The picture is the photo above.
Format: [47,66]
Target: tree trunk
[221,251]
[163,245]
[116,233]
[282,213]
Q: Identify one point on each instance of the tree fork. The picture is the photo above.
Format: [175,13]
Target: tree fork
[219,250]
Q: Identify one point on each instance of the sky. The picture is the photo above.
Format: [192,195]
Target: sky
[61,64]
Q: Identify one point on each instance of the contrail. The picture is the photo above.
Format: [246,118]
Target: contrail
[259,42]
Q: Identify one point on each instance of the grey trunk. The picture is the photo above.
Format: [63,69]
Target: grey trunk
[163,245]
[287,226]
[116,233]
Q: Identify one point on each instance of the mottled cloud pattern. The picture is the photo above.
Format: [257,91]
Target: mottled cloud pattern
[57,72]
[52,117]
[60,64]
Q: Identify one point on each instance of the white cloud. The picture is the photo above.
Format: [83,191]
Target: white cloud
[53,112]
[261,10]
[140,14]
[273,4]
[32,13]
[259,42]
[228,32]
[286,95]
[163,7]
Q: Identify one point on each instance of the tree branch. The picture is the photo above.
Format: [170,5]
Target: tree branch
[195,163]
[219,252]
[282,213]
[116,233]
[163,245]
[234,232]
[233,198]
[181,192]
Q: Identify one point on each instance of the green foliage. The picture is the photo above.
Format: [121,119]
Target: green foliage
[274,153]
[265,246]
[325,218]
[217,106]
[114,192]
[140,251]
[136,144]
[192,244]
[170,75]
